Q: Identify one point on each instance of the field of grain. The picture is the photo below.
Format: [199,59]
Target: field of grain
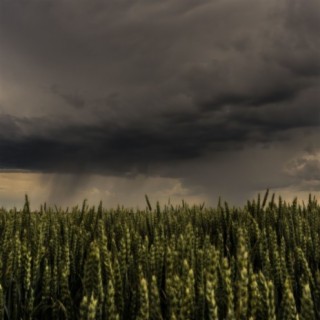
[261,261]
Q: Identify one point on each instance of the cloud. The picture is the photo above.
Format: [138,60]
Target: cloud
[74,100]
[155,88]
[305,167]
[155,56]
[136,147]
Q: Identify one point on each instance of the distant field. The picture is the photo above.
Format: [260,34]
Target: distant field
[261,261]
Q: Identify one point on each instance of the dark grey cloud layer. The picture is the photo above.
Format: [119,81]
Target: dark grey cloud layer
[106,147]
[128,87]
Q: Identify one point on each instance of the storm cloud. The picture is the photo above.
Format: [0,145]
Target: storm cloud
[161,89]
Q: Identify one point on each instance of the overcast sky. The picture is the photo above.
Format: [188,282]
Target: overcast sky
[111,99]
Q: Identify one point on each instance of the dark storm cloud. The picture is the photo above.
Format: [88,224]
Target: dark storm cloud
[111,148]
[107,147]
[305,167]
[305,63]
[74,100]
[276,95]
[304,171]
[125,87]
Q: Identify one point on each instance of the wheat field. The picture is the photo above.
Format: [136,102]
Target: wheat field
[261,261]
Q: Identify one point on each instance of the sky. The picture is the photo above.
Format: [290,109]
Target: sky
[195,99]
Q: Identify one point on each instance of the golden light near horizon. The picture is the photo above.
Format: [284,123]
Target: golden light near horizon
[113,191]
[59,189]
